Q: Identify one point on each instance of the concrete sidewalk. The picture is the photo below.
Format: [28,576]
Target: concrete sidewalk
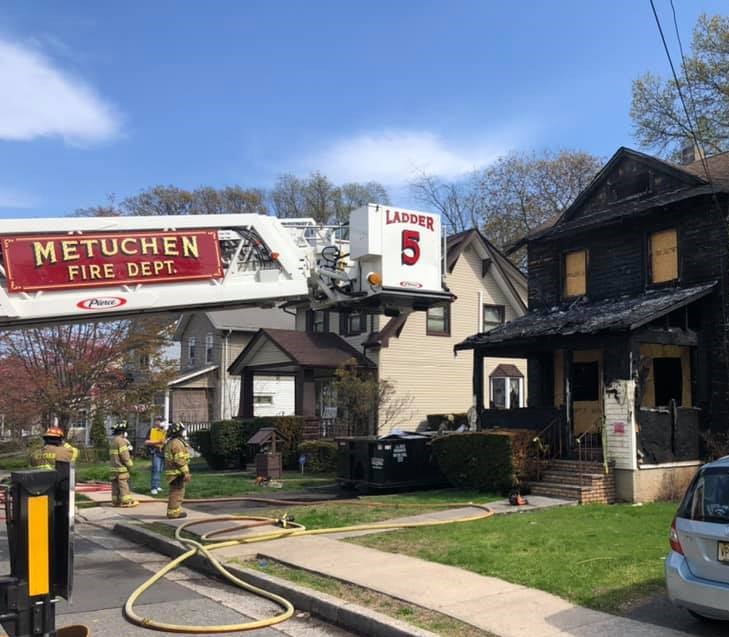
[488,603]
[491,604]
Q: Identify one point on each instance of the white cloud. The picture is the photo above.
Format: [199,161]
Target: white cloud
[397,156]
[37,99]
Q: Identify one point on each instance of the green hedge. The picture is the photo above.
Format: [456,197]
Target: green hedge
[224,445]
[321,455]
[476,460]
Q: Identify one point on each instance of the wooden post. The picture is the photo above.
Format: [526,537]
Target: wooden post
[568,398]
[478,380]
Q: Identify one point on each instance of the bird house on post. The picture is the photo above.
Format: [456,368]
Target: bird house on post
[269,463]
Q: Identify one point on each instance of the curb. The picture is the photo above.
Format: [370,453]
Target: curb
[351,617]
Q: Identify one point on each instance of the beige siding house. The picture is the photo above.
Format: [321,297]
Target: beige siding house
[416,353]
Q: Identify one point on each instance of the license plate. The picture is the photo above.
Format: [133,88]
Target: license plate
[724,552]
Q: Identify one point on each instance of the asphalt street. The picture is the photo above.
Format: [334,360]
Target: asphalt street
[108,568]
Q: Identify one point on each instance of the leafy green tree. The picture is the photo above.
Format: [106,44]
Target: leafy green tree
[659,118]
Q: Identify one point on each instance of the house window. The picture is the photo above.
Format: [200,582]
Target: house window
[438,321]
[262,399]
[209,340]
[143,361]
[664,256]
[317,321]
[629,185]
[585,381]
[191,349]
[493,316]
[352,324]
[575,273]
[506,392]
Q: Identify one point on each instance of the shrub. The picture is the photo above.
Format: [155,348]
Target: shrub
[435,421]
[476,460]
[227,445]
[321,455]
[292,427]
[224,445]
[10,446]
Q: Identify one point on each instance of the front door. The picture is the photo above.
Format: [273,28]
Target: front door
[587,390]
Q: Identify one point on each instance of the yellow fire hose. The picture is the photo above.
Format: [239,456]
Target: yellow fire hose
[289,529]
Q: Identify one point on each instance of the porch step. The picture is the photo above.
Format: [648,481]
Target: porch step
[585,466]
[585,482]
[570,477]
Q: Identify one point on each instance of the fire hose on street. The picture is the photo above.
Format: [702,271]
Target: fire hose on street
[287,528]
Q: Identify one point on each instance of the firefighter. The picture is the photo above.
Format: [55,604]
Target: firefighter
[121,463]
[177,469]
[54,450]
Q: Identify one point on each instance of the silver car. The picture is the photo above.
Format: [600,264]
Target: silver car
[697,568]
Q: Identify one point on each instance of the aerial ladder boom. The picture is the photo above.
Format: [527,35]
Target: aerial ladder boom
[68,269]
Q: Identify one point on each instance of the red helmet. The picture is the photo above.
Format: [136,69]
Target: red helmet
[53,432]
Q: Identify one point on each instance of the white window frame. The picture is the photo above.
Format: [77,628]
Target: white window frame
[507,397]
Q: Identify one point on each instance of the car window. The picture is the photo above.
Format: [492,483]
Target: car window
[708,498]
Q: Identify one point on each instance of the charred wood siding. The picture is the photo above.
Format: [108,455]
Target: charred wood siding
[618,265]
[618,253]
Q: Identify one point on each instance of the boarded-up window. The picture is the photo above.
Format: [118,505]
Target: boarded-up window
[575,273]
[664,256]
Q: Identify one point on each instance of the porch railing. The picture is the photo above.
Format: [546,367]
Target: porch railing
[549,443]
[587,446]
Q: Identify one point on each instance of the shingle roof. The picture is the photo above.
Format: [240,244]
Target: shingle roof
[583,317]
[507,370]
[306,349]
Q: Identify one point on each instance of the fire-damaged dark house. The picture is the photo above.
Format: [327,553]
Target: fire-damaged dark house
[626,334]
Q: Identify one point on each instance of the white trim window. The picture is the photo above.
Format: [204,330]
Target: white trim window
[191,345]
[493,316]
[506,388]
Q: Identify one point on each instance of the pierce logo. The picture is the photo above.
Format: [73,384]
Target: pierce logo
[101,303]
[410,284]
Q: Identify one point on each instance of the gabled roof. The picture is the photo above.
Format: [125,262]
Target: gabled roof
[191,375]
[509,273]
[246,319]
[677,172]
[692,177]
[583,317]
[305,349]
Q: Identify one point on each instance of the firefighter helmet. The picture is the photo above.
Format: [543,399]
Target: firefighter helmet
[53,432]
[175,429]
[120,427]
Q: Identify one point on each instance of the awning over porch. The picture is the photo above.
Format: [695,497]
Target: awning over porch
[619,314]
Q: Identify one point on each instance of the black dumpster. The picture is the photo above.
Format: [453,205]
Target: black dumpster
[392,463]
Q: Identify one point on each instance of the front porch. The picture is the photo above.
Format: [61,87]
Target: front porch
[312,360]
[617,383]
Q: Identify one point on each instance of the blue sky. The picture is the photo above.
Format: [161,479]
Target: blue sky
[100,98]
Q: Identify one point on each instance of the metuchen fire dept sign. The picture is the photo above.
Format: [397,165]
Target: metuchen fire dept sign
[105,259]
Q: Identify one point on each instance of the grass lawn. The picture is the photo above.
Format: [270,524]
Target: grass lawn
[600,556]
[206,483]
[375,508]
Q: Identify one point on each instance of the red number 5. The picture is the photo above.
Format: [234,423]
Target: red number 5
[410,247]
